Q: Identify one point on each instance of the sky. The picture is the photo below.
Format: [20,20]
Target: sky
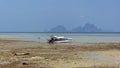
[40,15]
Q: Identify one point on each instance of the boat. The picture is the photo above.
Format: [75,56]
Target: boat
[59,39]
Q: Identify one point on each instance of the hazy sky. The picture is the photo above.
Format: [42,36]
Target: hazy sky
[38,15]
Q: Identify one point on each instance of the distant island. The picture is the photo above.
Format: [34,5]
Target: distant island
[86,28]
[58,28]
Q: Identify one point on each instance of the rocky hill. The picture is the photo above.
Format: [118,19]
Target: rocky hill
[86,28]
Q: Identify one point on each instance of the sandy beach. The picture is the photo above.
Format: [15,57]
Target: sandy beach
[28,54]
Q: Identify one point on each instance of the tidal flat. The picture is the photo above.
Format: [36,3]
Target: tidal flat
[29,54]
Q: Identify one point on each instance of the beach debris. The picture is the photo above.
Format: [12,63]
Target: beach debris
[19,54]
[24,63]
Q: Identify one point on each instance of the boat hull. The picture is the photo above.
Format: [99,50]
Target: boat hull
[63,41]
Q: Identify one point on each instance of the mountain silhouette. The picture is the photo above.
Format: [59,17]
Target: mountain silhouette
[91,28]
[86,28]
[58,28]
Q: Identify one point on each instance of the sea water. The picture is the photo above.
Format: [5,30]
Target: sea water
[76,37]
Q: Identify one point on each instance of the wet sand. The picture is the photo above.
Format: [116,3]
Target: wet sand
[26,54]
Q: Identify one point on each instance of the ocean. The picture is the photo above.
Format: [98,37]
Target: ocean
[76,37]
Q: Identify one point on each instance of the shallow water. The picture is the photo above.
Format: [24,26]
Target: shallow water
[100,58]
[77,37]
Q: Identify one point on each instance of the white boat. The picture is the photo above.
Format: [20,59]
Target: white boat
[65,40]
[60,39]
